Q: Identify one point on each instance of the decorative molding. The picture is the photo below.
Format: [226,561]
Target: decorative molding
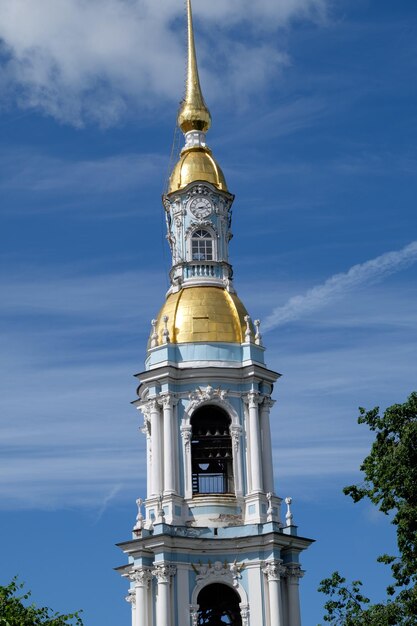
[186,434]
[219,571]
[274,570]
[206,394]
[163,573]
[235,432]
[244,612]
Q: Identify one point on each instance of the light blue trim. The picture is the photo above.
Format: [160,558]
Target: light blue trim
[233,353]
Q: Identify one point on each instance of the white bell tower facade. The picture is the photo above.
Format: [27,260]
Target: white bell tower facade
[209,545]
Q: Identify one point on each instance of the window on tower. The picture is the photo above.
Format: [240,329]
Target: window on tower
[202,246]
[211,451]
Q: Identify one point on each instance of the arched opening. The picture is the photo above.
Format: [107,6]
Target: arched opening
[211,451]
[218,606]
[201,246]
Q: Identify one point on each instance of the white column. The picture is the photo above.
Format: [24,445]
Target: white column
[236,434]
[294,573]
[157,454]
[273,571]
[169,456]
[141,578]
[186,434]
[267,466]
[163,574]
[254,442]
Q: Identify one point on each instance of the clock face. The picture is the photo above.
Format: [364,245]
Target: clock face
[201,207]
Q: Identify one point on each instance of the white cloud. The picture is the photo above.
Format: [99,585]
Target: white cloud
[81,60]
[339,285]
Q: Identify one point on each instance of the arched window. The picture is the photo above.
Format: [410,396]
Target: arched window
[201,246]
[211,451]
[218,604]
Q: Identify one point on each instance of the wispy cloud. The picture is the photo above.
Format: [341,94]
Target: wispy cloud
[93,60]
[339,285]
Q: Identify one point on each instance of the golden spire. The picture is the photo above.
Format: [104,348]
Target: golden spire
[193,113]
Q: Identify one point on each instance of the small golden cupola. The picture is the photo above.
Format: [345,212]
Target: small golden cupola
[196,161]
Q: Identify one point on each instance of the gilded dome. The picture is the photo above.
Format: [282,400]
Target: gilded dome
[203,314]
[196,164]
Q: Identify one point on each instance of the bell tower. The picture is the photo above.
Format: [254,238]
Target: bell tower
[209,545]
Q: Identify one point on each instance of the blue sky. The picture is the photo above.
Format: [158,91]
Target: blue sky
[314,124]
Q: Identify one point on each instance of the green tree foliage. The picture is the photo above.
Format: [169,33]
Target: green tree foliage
[390,482]
[14,612]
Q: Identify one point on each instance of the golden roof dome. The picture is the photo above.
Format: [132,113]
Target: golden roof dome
[196,164]
[203,314]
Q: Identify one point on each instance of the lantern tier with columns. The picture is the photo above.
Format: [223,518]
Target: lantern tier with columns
[209,545]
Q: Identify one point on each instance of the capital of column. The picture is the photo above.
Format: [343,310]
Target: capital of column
[163,573]
[274,570]
[167,400]
[153,405]
[267,403]
[141,577]
[253,398]
[294,573]
[131,598]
